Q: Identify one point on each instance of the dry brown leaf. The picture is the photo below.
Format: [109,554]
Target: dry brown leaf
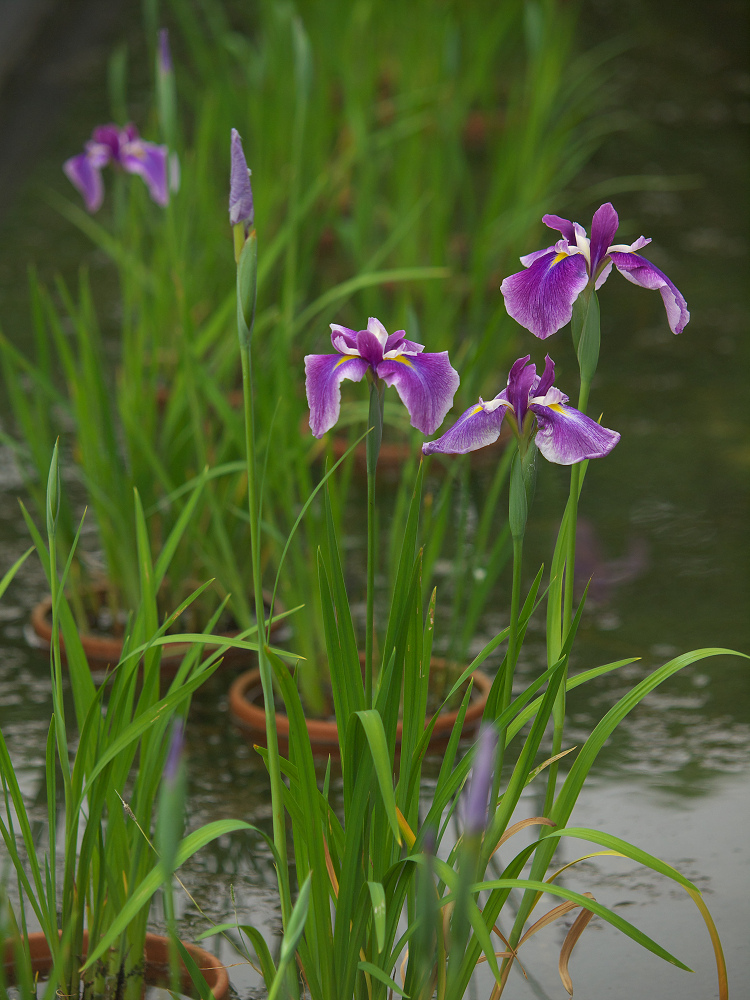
[554,914]
[580,924]
[521,825]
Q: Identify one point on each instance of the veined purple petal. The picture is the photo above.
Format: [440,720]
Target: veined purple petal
[541,298]
[603,228]
[561,225]
[324,374]
[426,384]
[150,162]
[476,428]
[82,172]
[566,436]
[240,192]
[642,272]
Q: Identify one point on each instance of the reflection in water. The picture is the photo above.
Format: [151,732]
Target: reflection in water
[602,575]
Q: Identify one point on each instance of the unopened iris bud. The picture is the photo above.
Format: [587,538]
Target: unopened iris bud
[478,795]
[241,212]
[165,56]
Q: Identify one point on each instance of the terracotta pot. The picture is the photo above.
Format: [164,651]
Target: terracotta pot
[156,957]
[104,650]
[246,710]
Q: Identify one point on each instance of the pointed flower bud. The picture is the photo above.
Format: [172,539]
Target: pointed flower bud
[240,192]
[478,795]
[165,55]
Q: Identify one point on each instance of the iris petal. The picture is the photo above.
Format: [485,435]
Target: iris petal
[475,428]
[603,228]
[82,172]
[566,436]
[149,161]
[642,272]
[541,298]
[324,374]
[426,384]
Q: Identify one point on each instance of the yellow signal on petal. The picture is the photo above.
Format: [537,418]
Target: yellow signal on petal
[558,407]
[346,357]
[403,360]
[558,258]
[477,409]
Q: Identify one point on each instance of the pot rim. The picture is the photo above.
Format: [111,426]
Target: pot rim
[156,954]
[250,717]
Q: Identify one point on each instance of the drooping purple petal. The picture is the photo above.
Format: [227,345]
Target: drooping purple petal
[541,298]
[642,272]
[476,428]
[240,192]
[561,225]
[82,172]
[566,436]
[426,384]
[603,228]
[150,162]
[324,374]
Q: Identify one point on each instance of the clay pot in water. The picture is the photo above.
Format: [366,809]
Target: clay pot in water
[156,957]
[248,715]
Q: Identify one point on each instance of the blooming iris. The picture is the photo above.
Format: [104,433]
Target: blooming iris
[426,383]
[536,409]
[541,297]
[124,147]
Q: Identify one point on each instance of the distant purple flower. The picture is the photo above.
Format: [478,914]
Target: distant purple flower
[541,297]
[165,55]
[563,434]
[174,753]
[240,192]
[125,148]
[476,798]
[426,383]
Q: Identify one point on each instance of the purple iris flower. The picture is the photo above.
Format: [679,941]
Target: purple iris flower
[541,297]
[426,383]
[125,148]
[563,434]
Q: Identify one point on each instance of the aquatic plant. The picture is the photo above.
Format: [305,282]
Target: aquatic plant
[382,883]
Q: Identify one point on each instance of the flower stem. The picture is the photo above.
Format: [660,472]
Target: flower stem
[246,287]
[374,437]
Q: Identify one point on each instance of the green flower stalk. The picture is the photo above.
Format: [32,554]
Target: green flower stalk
[241,216]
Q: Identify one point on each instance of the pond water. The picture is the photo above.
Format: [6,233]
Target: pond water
[666,533]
